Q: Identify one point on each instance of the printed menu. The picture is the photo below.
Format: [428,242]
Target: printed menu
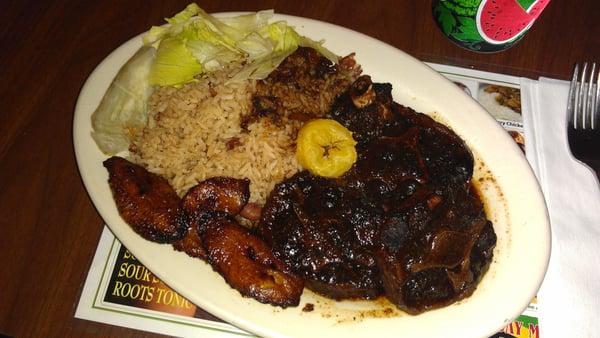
[119,290]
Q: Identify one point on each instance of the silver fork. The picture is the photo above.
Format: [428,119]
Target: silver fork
[583,111]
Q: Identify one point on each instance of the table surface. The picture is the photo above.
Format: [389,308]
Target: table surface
[49,228]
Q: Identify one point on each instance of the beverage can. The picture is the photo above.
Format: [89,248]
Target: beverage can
[486,25]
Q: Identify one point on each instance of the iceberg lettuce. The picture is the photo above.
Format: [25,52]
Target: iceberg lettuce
[174,64]
[123,107]
[188,44]
[216,42]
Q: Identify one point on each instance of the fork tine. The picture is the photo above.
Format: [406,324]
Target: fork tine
[590,100]
[576,98]
[582,109]
[573,95]
[596,112]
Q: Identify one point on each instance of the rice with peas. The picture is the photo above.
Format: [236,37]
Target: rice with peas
[195,132]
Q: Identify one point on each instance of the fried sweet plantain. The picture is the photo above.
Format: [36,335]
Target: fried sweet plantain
[146,201]
[224,194]
[247,264]
[191,243]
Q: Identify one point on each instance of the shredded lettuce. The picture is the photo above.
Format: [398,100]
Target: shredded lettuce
[173,27]
[212,57]
[255,45]
[123,107]
[318,46]
[188,44]
[261,67]
[269,46]
[284,36]
[186,14]
[249,22]
[216,42]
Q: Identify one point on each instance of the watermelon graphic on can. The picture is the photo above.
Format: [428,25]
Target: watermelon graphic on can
[486,25]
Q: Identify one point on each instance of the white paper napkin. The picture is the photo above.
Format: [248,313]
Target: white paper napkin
[569,299]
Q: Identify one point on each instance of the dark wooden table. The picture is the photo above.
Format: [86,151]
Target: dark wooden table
[49,228]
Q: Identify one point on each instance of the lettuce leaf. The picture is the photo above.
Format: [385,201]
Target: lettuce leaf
[174,64]
[124,105]
[318,46]
[249,22]
[173,27]
[284,36]
[261,67]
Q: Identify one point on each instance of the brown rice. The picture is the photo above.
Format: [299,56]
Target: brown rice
[186,139]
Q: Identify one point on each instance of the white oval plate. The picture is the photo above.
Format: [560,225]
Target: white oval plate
[510,191]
